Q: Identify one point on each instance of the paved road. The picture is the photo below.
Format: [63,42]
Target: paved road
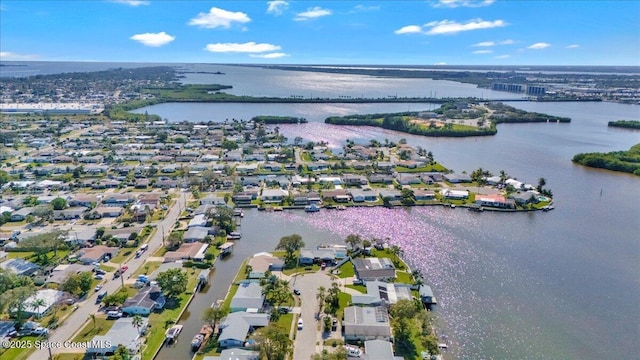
[307,339]
[77,319]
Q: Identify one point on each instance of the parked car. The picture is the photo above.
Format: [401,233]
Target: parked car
[296,291]
[40,331]
[98,287]
[300,324]
[124,268]
[358,282]
[334,324]
[138,253]
[114,314]
[99,277]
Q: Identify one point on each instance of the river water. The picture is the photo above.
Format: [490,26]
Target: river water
[558,285]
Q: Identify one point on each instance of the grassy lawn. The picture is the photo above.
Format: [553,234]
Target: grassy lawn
[107,268]
[161,321]
[227,300]
[19,353]
[148,268]
[160,252]
[89,331]
[344,300]
[403,277]
[346,270]
[69,356]
[388,254]
[20,254]
[285,322]
[123,254]
[302,269]
[435,167]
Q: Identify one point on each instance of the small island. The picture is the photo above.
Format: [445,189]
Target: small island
[628,124]
[452,119]
[623,161]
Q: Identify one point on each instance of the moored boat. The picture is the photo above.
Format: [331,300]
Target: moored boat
[234,235]
[311,208]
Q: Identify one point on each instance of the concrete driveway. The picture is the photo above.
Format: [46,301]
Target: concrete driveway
[309,339]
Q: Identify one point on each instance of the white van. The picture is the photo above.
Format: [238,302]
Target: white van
[144,247]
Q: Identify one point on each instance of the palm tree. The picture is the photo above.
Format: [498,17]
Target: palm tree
[36,305]
[93,317]
[137,322]
[321,296]
[503,176]
[541,183]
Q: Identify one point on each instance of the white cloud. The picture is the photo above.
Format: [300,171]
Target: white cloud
[462,3]
[249,47]
[11,56]
[217,17]
[363,8]
[440,63]
[573,46]
[269,56]
[503,56]
[483,51]
[538,46]
[409,29]
[452,27]
[485,43]
[276,7]
[132,2]
[507,42]
[312,13]
[153,39]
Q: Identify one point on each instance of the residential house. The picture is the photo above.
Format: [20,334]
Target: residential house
[248,296]
[121,200]
[199,220]
[379,350]
[424,195]
[262,262]
[106,212]
[147,300]
[235,328]
[382,293]
[374,268]
[122,332]
[20,267]
[456,178]
[495,200]
[390,194]
[195,233]
[213,200]
[454,194]
[62,271]
[358,195]
[69,213]
[85,200]
[273,195]
[521,198]
[366,323]
[97,253]
[21,215]
[426,295]
[354,180]
[320,255]
[187,251]
[49,296]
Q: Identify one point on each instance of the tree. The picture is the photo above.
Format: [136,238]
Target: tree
[121,353]
[541,183]
[43,243]
[353,240]
[93,318]
[404,309]
[37,304]
[44,212]
[339,354]
[229,145]
[172,282]
[4,177]
[59,203]
[137,322]
[321,296]
[116,299]
[213,315]
[290,244]
[274,343]
[77,284]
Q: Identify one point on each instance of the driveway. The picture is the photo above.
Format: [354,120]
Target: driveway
[309,339]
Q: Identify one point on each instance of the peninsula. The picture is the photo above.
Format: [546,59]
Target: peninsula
[623,161]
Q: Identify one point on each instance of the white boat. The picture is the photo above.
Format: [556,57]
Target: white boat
[311,208]
[172,333]
[341,207]
[197,342]
[234,236]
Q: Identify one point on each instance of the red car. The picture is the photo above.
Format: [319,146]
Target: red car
[124,268]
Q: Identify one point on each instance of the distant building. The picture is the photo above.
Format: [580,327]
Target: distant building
[536,90]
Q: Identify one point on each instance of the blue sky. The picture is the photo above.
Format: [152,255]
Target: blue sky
[453,32]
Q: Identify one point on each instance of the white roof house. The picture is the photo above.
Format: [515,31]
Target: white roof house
[121,333]
[50,297]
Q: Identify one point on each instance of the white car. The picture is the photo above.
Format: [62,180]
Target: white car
[99,277]
[40,331]
[98,287]
[300,324]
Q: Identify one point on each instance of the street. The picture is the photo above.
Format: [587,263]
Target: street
[77,319]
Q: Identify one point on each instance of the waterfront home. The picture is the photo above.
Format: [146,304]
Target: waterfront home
[195,233]
[456,178]
[243,198]
[390,194]
[326,255]
[358,195]
[123,333]
[338,195]
[97,253]
[273,195]
[374,268]
[147,300]
[454,194]
[379,350]
[494,200]
[424,195]
[212,200]
[187,251]
[366,323]
[248,296]
[262,262]
[20,267]
[199,220]
[523,198]
[380,292]
[235,328]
